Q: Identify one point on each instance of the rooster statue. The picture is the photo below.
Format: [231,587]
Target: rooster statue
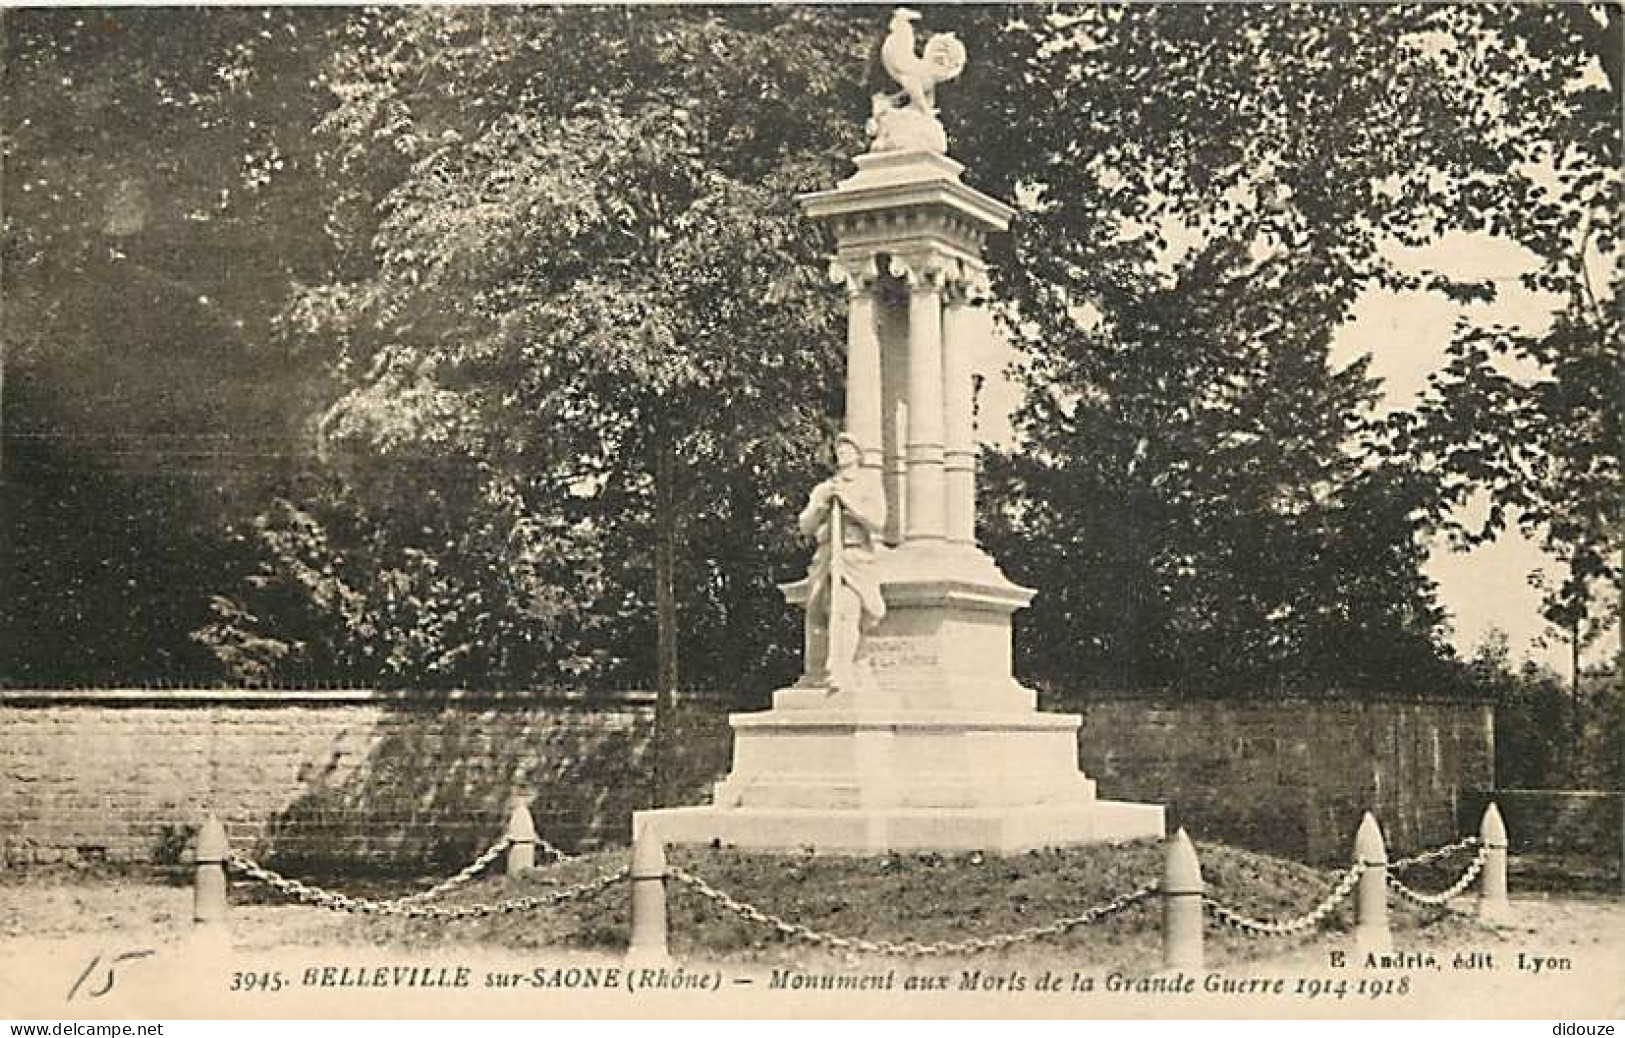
[919,74]
[909,118]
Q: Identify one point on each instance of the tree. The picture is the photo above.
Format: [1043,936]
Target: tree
[1531,751]
[554,240]
[1186,494]
[576,272]
[1209,192]
[1325,136]
[155,168]
[1545,173]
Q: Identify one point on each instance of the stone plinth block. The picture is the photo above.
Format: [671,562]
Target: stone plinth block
[862,782]
[944,643]
[880,830]
[903,759]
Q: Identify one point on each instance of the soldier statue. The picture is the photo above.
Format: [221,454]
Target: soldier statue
[846,514]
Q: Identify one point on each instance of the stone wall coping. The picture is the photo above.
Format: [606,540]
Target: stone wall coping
[569,698]
[321,697]
[1602,794]
[1169,703]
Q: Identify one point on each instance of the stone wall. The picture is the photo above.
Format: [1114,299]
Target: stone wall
[124,776]
[1293,777]
[327,776]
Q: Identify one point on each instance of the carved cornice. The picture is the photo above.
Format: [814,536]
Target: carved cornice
[910,222]
[923,186]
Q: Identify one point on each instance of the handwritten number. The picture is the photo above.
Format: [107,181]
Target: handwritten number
[75,989]
[111,978]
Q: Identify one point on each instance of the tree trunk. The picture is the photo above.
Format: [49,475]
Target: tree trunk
[666,696]
[741,648]
[1574,660]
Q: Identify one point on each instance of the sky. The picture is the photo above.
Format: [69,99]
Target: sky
[1406,335]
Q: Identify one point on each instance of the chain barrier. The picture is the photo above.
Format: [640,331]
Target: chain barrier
[1442,897]
[1426,857]
[409,907]
[1287,927]
[445,886]
[474,868]
[413,905]
[907,949]
[559,857]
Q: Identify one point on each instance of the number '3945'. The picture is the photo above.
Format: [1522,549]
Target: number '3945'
[261,981]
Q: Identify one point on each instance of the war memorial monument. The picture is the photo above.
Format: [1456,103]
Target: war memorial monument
[907,730]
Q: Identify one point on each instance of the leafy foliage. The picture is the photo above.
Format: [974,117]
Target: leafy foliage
[151,166]
[1211,506]
[1545,172]
[461,585]
[1288,149]
[1547,737]
[579,271]
[1187,497]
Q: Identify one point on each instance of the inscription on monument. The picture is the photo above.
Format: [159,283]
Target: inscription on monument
[892,653]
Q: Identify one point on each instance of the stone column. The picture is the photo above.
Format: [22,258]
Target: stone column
[863,408]
[962,339]
[894,414]
[925,517]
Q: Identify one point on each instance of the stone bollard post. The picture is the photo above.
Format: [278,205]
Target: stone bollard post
[1371,897]
[1493,906]
[209,883]
[521,839]
[648,874]
[1182,891]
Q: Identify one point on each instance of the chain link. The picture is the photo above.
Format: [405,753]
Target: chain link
[558,856]
[1287,927]
[314,895]
[907,949]
[1434,855]
[468,873]
[474,868]
[1442,897]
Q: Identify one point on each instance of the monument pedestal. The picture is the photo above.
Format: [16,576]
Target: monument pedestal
[933,747]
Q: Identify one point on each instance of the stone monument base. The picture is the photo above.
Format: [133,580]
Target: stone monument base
[842,781]
[860,831]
